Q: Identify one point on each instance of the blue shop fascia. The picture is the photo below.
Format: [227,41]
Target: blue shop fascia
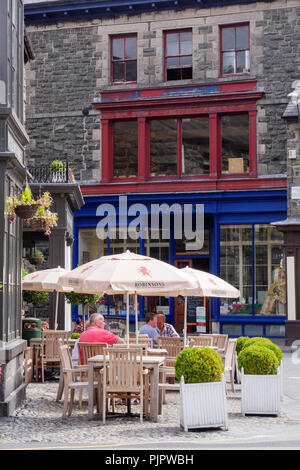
[240,245]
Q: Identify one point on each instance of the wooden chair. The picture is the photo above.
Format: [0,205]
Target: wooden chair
[173,347]
[229,360]
[124,377]
[144,342]
[28,364]
[71,384]
[221,343]
[49,352]
[87,350]
[200,341]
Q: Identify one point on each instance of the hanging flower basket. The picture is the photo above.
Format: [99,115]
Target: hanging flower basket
[35,261]
[26,211]
[43,221]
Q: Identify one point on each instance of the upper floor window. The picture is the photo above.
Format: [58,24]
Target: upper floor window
[235,49]
[178,55]
[124,58]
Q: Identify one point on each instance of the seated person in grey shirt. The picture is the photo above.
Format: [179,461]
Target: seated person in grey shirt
[150,327]
[163,328]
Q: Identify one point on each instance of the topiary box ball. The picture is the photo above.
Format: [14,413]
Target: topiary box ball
[273,347]
[258,360]
[240,343]
[256,339]
[199,364]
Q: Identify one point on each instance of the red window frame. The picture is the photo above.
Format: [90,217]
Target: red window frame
[112,61]
[235,50]
[144,140]
[179,31]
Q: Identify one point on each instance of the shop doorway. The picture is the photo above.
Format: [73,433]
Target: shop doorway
[203,265]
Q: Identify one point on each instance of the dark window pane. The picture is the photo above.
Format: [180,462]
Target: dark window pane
[173,62]
[187,73]
[174,74]
[163,147]
[242,37]
[195,146]
[172,41]
[242,62]
[228,62]
[186,43]
[228,40]
[131,71]
[130,48]
[125,149]
[235,144]
[118,48]
[187,60]
[118,72]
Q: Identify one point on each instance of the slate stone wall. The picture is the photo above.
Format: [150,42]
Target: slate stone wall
[73,64]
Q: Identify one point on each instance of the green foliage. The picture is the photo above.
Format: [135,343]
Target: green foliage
[240,343]
[254,340]
[269,345]
[26,196]
[57,166]
[81,299]
[75,335]
[199,364]
[35,297]
[258,360]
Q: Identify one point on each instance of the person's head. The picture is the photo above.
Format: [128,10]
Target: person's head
[151,319]
[96,319]
[161,318]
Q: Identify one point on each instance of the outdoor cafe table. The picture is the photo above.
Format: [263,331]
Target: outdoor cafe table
[149,362]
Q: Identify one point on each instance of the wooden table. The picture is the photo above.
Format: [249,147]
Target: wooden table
[156,352]
[149,362]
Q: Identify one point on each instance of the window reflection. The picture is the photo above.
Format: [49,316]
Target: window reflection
[125,149]
[255,269]
[195,146]
[235,144]
[163,147]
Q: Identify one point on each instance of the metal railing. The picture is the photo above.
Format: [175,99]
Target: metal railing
[46,174]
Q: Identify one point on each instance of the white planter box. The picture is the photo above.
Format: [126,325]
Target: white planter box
[203,405]
[261,393]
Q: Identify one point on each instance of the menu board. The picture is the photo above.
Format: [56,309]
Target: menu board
[193,303]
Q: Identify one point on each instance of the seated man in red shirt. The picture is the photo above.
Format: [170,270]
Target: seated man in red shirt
[96,333]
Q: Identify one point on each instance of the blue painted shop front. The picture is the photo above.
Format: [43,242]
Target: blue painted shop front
[237,227]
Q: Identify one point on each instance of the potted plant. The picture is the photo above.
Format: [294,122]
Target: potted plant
[202,388]
[85,300]
[58,171]
[260,378]
[37,257]
[25,207]
[43,220]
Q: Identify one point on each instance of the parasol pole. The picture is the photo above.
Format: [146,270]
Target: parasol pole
[56,309]
[136,318]
[127,318]
[185,322]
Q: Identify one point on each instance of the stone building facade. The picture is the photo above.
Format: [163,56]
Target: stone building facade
[71,78]
[72,65]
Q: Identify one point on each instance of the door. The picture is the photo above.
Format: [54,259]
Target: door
[203,265]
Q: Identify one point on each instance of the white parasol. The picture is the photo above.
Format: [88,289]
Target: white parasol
[126,273]
[46,280]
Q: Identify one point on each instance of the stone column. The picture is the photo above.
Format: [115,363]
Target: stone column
[291,226]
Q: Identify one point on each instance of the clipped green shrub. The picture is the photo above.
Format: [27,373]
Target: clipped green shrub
[199,364]
[240,343]
[75,335]
[258,360]
[273,347]
[256,339]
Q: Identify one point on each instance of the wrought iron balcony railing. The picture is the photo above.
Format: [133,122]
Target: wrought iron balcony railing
[48,174]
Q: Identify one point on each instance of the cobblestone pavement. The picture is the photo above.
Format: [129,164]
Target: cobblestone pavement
[39,420]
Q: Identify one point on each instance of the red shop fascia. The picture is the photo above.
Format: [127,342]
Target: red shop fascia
[144,104]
